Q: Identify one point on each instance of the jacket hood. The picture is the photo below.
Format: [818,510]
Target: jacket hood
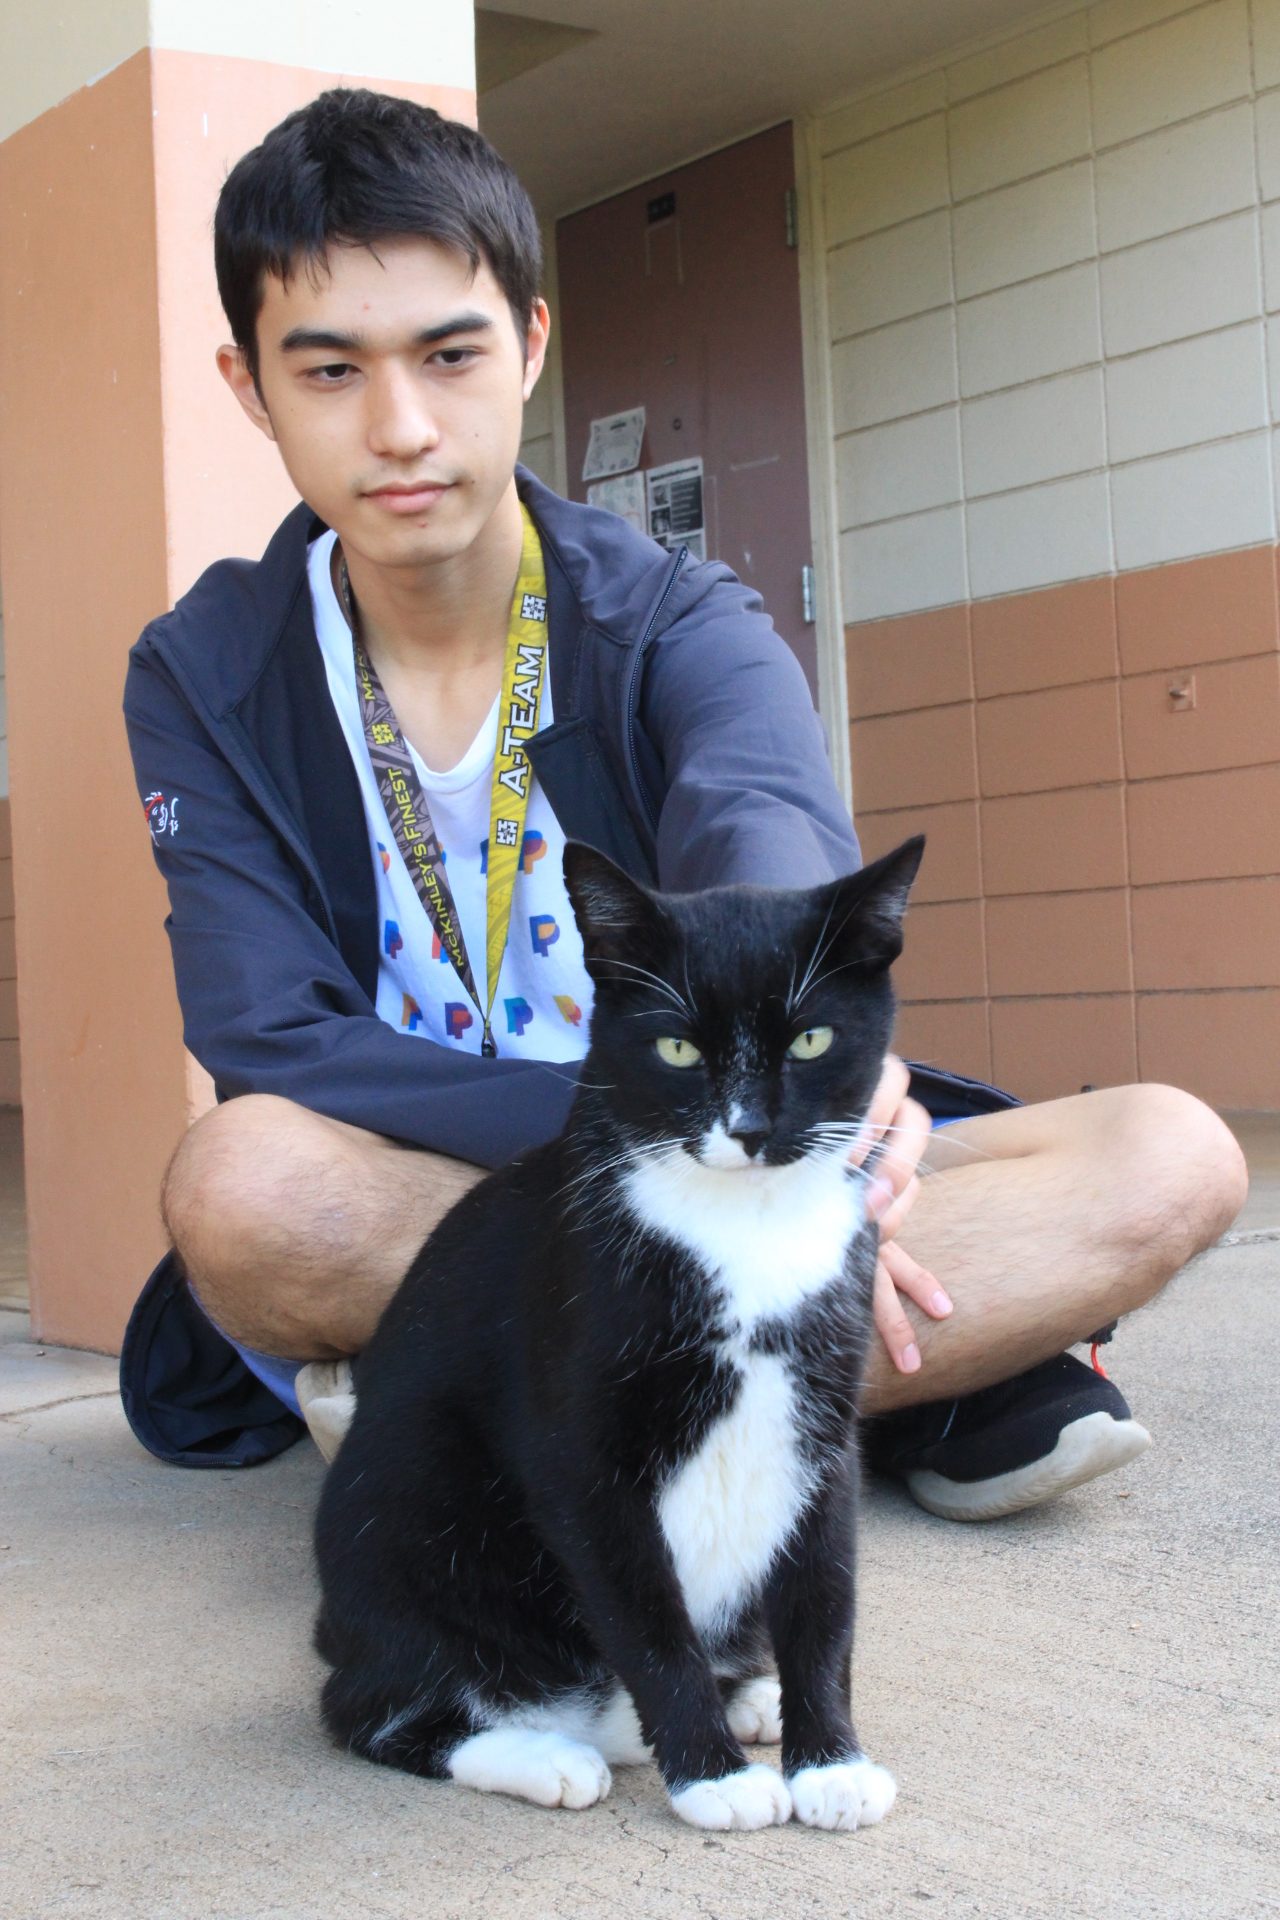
[615,574]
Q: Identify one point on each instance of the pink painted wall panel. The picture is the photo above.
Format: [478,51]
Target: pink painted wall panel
[1128,844]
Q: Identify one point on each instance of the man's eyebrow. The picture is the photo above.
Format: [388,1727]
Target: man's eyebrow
[309,339]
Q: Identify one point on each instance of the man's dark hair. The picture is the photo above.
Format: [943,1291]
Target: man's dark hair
[355,167]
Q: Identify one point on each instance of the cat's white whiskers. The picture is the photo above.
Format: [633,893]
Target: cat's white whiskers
[689,995]
[563,1070]
[822,949]
[596,1170]
[815,959]
[857,1132]
[655,980]
[831,972]
[966,1146]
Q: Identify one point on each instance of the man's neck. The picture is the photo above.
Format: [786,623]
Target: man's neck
[453,614]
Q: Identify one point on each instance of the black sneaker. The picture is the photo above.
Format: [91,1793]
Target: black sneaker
[1009,1446]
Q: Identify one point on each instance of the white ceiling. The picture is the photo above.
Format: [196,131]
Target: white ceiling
[661,80]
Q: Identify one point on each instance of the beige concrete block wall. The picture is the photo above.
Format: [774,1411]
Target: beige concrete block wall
[1054,286]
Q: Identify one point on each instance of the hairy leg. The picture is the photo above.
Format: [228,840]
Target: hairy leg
[296,1230]
[1045,1222]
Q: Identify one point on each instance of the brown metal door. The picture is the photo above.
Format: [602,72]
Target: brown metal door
[683,296]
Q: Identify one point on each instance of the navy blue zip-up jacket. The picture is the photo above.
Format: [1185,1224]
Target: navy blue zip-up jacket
[685,746]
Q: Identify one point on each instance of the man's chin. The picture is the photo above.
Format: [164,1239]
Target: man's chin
[411,542]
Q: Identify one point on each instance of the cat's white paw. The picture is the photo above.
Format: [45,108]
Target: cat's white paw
[755,1796]
[755,1713]
[547,1768]
[844,1796]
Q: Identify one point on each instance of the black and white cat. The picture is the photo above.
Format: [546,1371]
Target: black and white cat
[602,1474]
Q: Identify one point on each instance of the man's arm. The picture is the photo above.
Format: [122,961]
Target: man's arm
[748,789]
[268,1003]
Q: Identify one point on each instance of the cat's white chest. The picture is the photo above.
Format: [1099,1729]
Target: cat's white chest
[765,1243]
[768,1239]
[728,1510]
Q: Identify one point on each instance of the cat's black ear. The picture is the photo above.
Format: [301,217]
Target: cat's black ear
[616,917]
[873,901]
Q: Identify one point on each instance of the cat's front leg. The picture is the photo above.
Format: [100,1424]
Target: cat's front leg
[635,1610]
[810,1607]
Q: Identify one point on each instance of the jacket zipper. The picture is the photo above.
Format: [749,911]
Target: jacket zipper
[629,698]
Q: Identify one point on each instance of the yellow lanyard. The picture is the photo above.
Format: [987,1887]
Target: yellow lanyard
[405,803]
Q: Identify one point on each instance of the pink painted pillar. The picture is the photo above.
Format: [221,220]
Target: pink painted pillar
[125,469]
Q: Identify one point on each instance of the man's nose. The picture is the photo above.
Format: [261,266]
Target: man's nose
[401,420]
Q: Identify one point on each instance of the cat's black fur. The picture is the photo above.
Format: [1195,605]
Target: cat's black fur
[490,1533]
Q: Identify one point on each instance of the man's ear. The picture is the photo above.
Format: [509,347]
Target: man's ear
[536,338]
[234,369]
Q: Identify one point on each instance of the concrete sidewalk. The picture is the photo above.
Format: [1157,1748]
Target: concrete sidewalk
[1079,1703]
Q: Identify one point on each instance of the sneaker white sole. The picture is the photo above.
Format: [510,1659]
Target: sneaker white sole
[328,1402]
[1096,1444]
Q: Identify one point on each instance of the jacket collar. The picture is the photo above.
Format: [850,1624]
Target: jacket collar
[601,574]
[242,643]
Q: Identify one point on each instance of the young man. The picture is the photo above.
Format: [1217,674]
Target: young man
[317,738]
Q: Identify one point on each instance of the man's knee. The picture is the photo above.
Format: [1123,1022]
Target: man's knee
[244,1171]
[296,1229]
[1184,1176]
[257,1202]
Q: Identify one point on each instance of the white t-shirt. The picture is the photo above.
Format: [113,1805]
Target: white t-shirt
[543,1002]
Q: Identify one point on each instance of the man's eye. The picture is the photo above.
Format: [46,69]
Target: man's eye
[329,376]
[456,356]
[811,1043]
[677,1053]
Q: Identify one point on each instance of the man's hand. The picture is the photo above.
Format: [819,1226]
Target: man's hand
[903,1126]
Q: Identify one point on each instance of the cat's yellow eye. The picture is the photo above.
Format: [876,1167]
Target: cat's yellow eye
[677,1053]
[811,1043]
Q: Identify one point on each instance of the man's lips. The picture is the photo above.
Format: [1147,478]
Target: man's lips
[400,498]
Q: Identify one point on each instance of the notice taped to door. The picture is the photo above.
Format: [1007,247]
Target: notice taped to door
[614,444]
[675,506]
[623,495]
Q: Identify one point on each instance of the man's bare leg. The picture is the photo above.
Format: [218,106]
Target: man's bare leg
[295,1230]
[1043,1223]
[1046,1222]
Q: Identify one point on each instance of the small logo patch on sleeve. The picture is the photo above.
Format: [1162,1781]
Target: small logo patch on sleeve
[161,812]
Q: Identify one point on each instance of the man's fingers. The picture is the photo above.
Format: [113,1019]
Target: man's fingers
[895,1165]
[897,1210]
[909,1277]
[900,1126]
[892,1323]
[897,1273]
[891,1091]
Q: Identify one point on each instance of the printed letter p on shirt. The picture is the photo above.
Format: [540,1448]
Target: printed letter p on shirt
[544,933]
